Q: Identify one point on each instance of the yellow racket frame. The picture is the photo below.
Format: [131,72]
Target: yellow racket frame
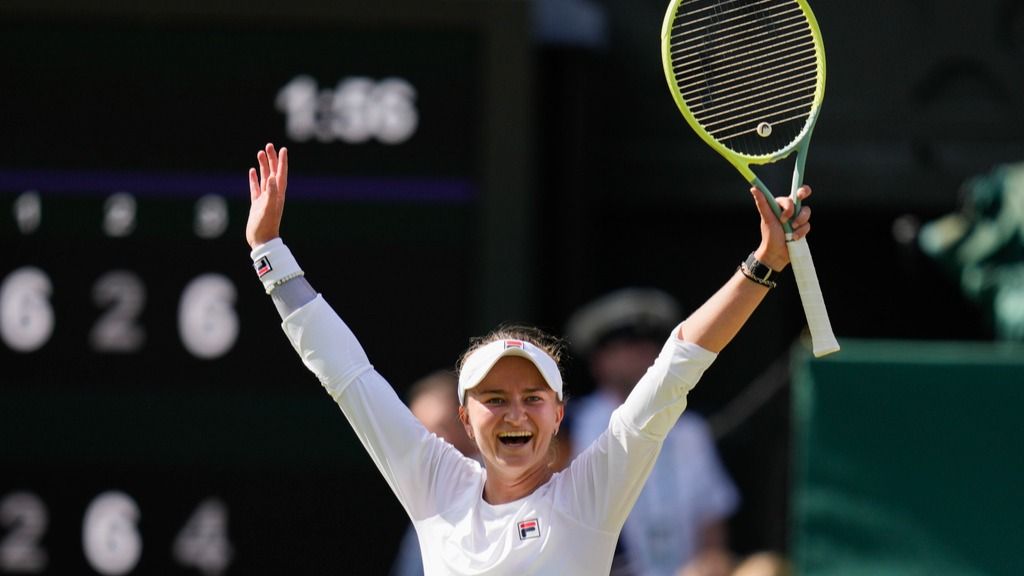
[742,162]
[823,340]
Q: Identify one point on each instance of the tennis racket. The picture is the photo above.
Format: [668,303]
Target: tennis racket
[749,77]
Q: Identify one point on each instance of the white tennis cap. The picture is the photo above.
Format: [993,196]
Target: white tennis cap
[481,360]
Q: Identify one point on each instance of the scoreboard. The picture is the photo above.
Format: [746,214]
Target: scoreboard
[153,418]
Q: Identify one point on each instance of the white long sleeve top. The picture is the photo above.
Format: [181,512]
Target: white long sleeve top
[566,527]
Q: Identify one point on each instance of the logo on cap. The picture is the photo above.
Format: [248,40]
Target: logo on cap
[514,344]
[529,529]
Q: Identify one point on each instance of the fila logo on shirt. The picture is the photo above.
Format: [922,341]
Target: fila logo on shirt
[529,529]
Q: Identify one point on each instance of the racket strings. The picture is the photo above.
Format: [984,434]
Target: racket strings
[729,27]
[768,70]
[748,70]
[717,10]
[744,45]
[753,100]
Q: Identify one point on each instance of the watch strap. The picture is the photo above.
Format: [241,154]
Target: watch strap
[758,271]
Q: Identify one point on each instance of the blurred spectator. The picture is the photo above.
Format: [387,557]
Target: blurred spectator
[682,512]
[713,562]
[981,247]
[434,400]
[764,564]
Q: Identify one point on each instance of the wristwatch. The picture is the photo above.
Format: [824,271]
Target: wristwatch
[758,271]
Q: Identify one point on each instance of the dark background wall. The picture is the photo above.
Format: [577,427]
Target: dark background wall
[565,171]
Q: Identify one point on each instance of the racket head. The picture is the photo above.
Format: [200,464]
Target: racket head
[748,75]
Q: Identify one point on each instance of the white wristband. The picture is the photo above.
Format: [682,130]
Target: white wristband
[274,264]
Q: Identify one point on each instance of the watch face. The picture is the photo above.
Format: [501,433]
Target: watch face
[756,268]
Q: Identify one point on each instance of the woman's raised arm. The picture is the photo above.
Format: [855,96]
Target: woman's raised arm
[719,319]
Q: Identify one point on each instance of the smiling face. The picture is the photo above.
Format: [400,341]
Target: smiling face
[512,415]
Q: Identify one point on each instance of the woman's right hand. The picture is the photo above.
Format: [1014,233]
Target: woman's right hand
[266,194]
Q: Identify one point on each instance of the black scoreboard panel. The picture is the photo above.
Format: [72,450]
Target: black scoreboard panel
[153,418]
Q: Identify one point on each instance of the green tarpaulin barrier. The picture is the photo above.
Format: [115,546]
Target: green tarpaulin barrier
[909,460]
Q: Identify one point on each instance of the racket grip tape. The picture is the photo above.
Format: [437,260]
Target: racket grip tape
[823,341]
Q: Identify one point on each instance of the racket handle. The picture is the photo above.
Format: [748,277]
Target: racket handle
[822,340]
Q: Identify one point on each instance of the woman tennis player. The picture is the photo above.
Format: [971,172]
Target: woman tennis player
[513,515]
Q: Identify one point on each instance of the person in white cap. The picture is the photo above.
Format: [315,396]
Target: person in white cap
[680,517]
[514,515]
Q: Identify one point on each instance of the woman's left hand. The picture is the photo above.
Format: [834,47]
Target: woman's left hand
[266,194]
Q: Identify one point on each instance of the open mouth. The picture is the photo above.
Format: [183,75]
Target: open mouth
[514,438]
